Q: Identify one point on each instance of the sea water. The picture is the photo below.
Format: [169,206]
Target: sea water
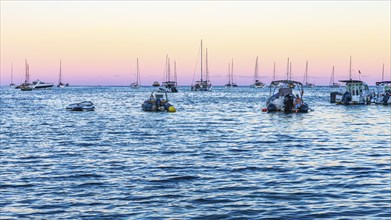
[218,157]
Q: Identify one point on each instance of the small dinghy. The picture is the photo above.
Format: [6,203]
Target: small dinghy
[158,102]
[284,99]
[82,106]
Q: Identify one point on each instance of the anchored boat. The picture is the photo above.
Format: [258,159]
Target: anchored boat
[170,84]
[231,76]
[203,85]
[158,102]
[383,93]
[82,106]
[286,96]
[136,85]
[257,82]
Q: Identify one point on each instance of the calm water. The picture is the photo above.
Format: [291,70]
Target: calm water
[218,157]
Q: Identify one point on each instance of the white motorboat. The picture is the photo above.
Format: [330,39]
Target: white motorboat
[286,96]
[82,106]
[383,93]
[38,84]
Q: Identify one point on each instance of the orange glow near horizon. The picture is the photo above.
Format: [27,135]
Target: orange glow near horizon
[99,42]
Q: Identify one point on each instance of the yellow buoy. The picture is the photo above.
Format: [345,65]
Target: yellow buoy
[171,109]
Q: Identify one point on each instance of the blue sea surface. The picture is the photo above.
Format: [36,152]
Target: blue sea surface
[218,157]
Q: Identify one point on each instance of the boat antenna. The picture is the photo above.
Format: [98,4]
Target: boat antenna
[274,71]
[201,60]
[382,74]
[350,68]
[287,69]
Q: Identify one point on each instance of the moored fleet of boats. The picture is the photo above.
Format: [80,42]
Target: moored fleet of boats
[285,95]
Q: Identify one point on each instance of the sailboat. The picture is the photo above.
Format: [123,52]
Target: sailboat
[202,85]
[257,83]
[306,83]
[26,86]
[12,85]
[136,84]
[332,83]
[231,76]
[229,84]
[60,84]
[170,84]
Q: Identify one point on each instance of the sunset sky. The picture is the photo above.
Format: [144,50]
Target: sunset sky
[99,41]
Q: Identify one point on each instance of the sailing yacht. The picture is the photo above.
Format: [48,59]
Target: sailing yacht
[169,83]
[257,83]
[203,85]
[306,83]
[12,85]
[60,84]
[332,83]
[136,85]
[231,76]
[26,86]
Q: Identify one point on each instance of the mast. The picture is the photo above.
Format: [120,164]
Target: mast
[168,71]
[206,68]
[332,77]
[256,70]
[229,73]
[290,71]
[232,71]
[12,73]
[306,72]
[201,60]
[59,80]
[350,68]
[175,76]
[287,69]
[274,72]
[382,74]
[138,73]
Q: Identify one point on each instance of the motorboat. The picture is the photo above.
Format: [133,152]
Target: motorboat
[38,84]
[156,84]
[356,93]
[158,102]
[286,96]
[382,93]
[203,84]
[82,106]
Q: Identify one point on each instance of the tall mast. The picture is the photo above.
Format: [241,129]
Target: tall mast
[382,74]
[350,68]
[206,68]
[201,60]
[232,71]
[138,73]
[168,71]
[27,76]
[59,80]
[12,72]
[229,73]
[332,76]
[290,71]
[306,72]
[274,72]
[287,69]
[256,70]
[175,76]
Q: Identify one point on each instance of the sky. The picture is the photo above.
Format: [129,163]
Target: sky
[98,42]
